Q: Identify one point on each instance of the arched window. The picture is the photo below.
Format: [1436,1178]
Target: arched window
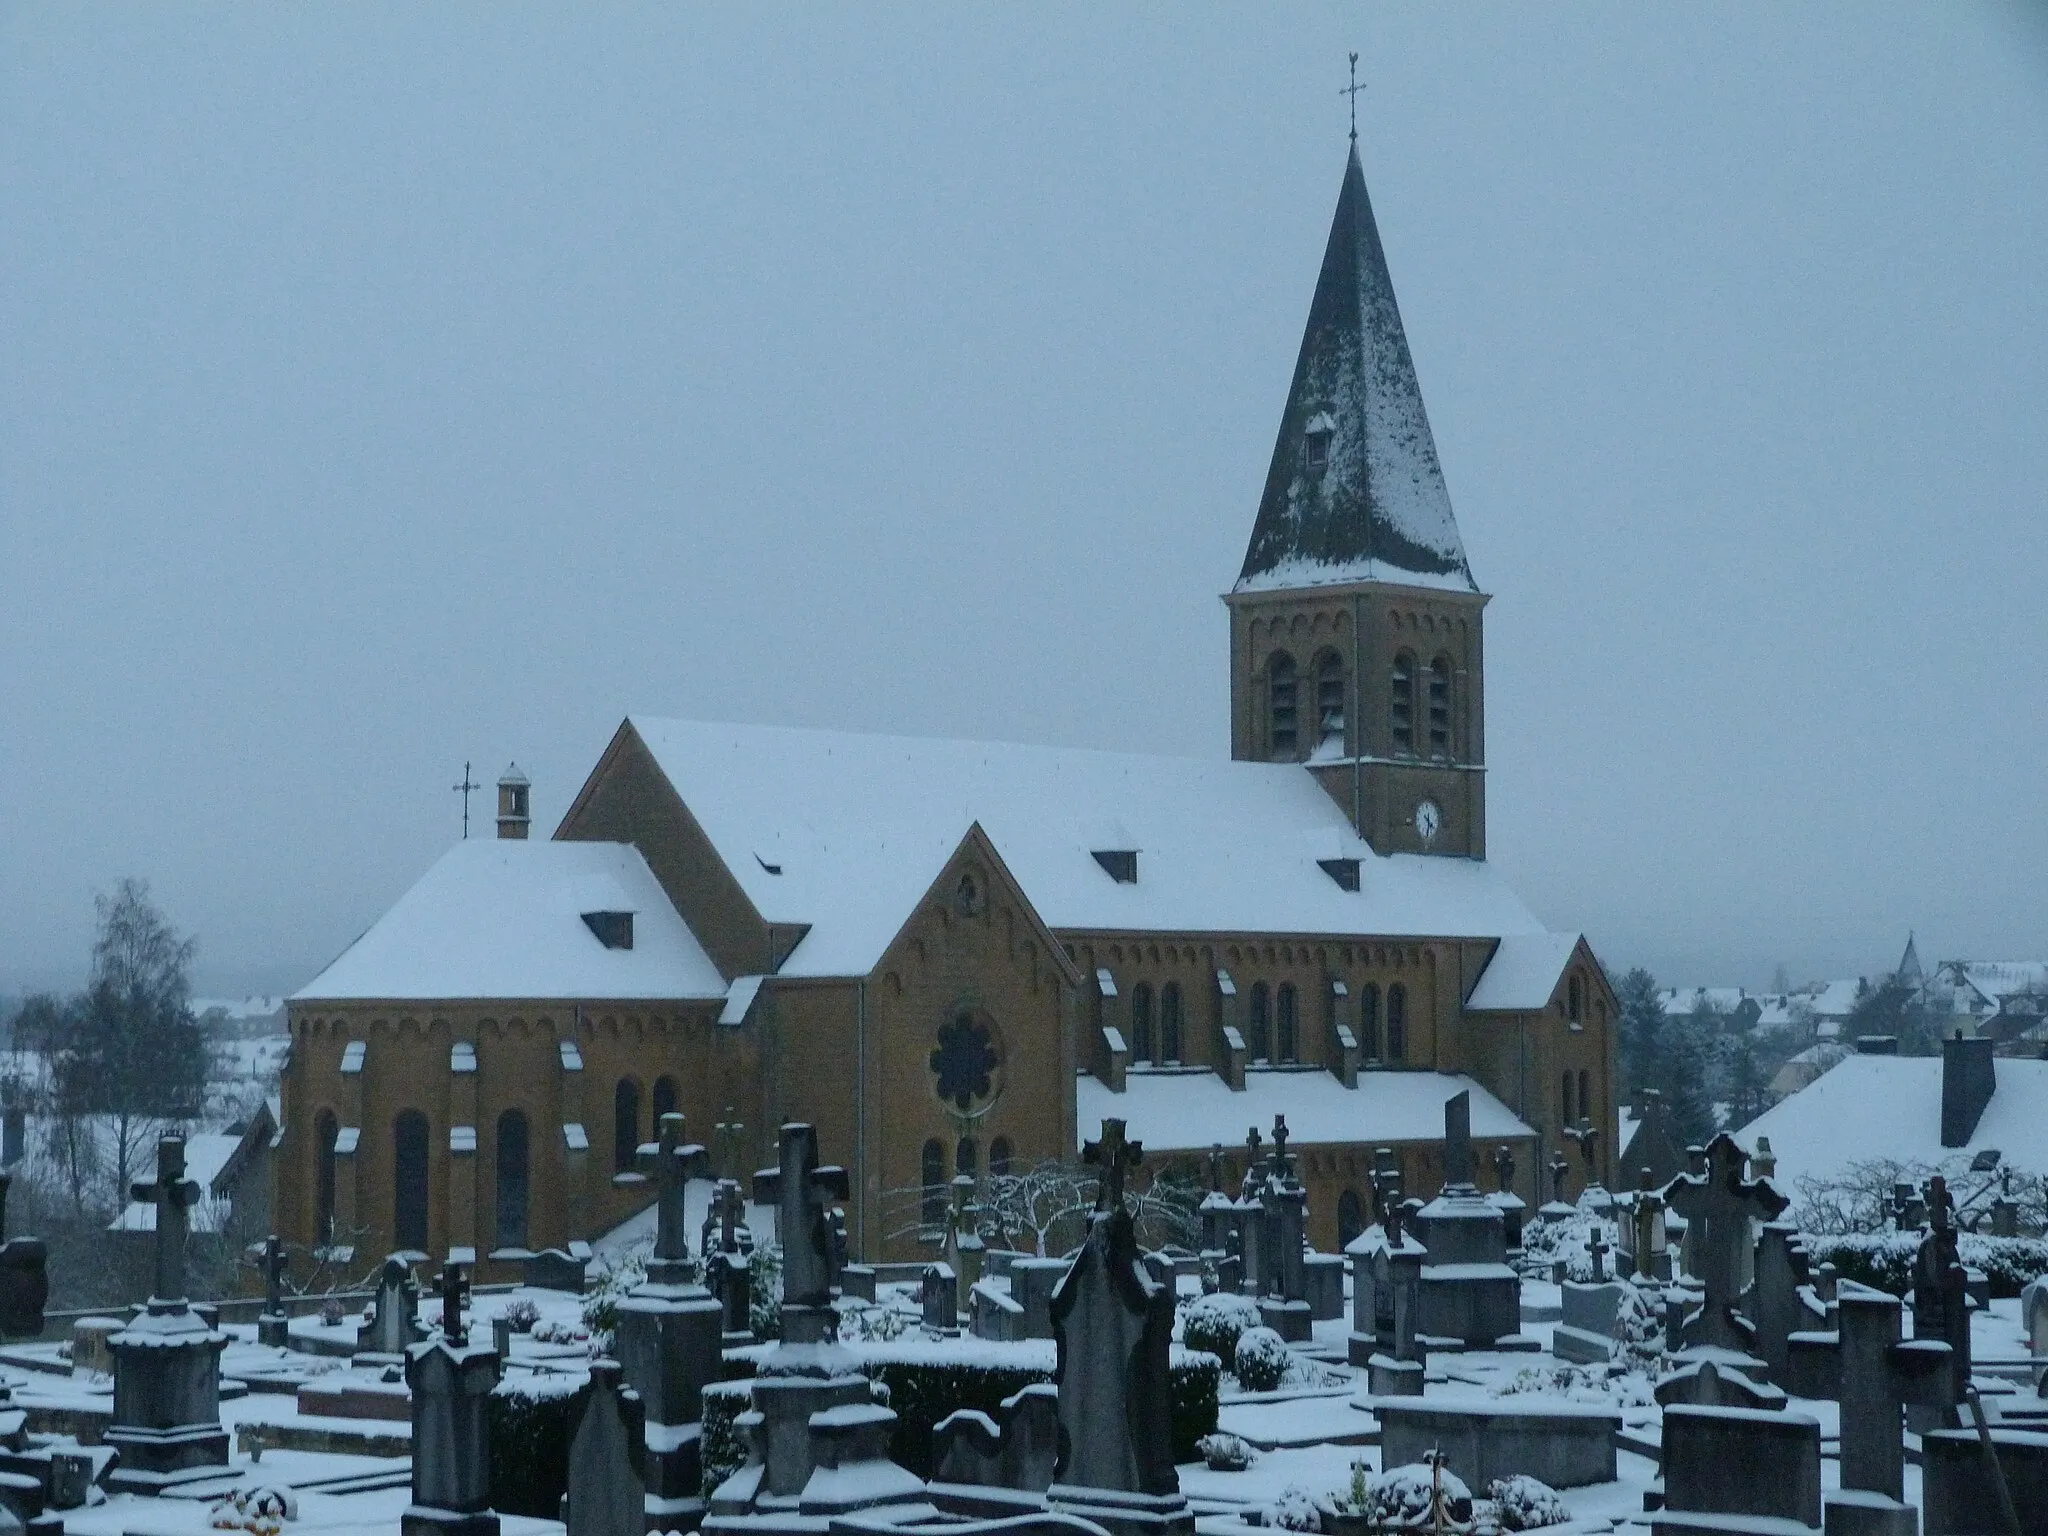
[1397,1022]
[999,1156]
[1262,1009]
[1369,1021]
[325,1129]
[1401,703]
[1440,707]
[512,1179]
[1289,1031]
[931,1212]
[1350,1218]
[1575,992]
[409,1180]
[625,1125]
[1564,1100]
[1141,1022]
[1329,697]
[1169,1022]
[967,1157]
[1586,1096]
[1283,708]
[665,1103]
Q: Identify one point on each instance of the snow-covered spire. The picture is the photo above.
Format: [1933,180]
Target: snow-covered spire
[1355,492]
[1909,964]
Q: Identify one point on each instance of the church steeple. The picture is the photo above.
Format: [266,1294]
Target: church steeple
[1355,492]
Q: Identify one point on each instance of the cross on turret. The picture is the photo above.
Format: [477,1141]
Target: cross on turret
[671,1162]
[174,1195]
[1112,1154]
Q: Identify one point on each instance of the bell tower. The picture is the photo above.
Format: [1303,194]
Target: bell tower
[1356,644]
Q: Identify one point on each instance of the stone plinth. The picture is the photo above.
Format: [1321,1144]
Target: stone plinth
[1469,1295]
[451,1447]
[1323,1285]
[1566,1445]
[669,1333]
[1727,1466]
[1955,1495]
[166,1421]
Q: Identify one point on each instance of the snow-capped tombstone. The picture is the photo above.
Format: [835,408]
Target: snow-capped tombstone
[1941,1303]
[1113,1326]
[272,1327]
[2034,1316]
[1718,1205]
[939,1300]
[451,1382]
[1741,1462]
[605,1496]
[1470,1298]
[1878,1375]
[1776,1309]
[394,1325]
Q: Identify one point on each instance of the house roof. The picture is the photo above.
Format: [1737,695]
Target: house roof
[503,918]
[1888,1108]
[1523,973]
[207,1156]
[1193,1111]
[847,832]
[1355,491]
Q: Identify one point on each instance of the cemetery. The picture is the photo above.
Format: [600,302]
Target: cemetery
[1666,1360]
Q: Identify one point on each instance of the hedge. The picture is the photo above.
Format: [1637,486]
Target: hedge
[532,1420]
[923,1385]
[1885,1259]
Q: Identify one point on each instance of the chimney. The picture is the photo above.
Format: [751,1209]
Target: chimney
[1968,1079]
[1877,1045]
[512,811]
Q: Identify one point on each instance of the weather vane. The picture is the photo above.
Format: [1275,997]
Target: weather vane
[463,789]
[1352,91]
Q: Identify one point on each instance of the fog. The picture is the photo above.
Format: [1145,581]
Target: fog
[385,388]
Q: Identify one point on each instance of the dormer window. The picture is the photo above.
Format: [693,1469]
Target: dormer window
[1343,871]
[1315,444]
[614,930]
[1120,864]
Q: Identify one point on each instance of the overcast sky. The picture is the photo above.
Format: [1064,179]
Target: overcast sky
[385,388]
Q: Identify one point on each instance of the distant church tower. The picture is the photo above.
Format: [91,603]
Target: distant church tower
[1355,626]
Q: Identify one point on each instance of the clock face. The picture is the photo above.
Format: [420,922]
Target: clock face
[1427,820]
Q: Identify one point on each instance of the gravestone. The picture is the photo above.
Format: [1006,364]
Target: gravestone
[1941,1304]
[166,1421]
[1470,1298]
[451,1381]
[964,1246]
[939,1298]
[1877,1376]
[1283,1214]
[394,1325]
[1776,1311]
[1593,1196]
[2034,1316]
[605,1496]
[1511,1206]
[1017,1449]
[728,1271]
[806,1372]
[1723,1464]
[1718,1205]
[1557,1208]
[553,1269]
[24,1277]
[1113,1326]
[669,1334]
[1644,1240]
[273,1326]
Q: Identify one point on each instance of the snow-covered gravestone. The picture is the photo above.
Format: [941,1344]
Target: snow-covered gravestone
[166,1421]
[394,1326]
[272,1327]
[451,1381]
[1470,1298]
[1877,1375]
[1941,1303]
[1718,1205]
[605,1497]
[1284,1214]
[670,1330]
[939,1299]
[1113,1323]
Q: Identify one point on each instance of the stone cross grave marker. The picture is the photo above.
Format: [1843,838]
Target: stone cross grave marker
[1559,1170]
[1386,1193]
[1503,1169]
[1113,1155]
[1941,1303]
[173,1195]
[1458,1167]
[1216,1167]
[1253,1177]
[1646,1230]
[670,1162]
[1586,1137]
[452,1328]
[1718,1207]
[1283,1167]
[24,1276]
[1880,1374]
[1597,1250]
[801,1191]
[272,1327]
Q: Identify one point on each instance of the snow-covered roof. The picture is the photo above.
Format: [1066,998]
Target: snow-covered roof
[1837,998]
[1193,1111]
[1355,491]
[859,827]
[1872,1108]
[503,918]
[1523,973]
[255,1006]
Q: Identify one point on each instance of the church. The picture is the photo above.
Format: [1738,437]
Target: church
[959,957]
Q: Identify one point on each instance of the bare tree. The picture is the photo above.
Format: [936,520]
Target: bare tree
[1043,1207]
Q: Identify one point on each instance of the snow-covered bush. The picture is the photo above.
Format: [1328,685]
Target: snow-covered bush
[764,1274]
[1639,1326]
[1225,1452]
[609,1288]
[522,1315]
[331,1312]
[1521,1503]
[1885,1259]
[1615,1385]
[1544,1242]
[1295,1510]
[1214,1322]
[1261,1360]
[1401,1496]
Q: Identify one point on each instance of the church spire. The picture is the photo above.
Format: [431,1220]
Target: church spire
[1355,492]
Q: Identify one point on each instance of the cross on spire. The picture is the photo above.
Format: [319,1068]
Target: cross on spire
[1112,1154]
[1352,91]
[465,789]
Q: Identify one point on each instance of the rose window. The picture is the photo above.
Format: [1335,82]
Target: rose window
[964,1062]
